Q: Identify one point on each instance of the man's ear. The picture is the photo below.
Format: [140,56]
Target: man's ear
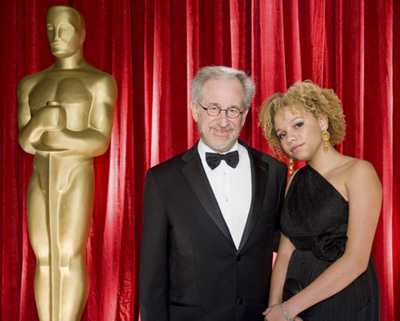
[244,115]
[195,111]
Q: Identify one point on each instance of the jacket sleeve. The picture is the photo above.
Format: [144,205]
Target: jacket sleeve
[154,269]
[282,177]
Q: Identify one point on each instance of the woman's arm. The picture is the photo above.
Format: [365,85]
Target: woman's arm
[285,251]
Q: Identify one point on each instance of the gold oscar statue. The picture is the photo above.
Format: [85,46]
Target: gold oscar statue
[65,116]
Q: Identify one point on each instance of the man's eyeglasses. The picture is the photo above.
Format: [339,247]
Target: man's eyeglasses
[231,112]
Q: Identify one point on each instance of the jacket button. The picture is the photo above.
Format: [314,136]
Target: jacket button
[238,258]
[239,301]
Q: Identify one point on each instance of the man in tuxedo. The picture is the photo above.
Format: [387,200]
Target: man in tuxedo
[210,214]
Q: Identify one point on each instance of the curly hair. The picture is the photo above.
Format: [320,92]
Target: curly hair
[321,102]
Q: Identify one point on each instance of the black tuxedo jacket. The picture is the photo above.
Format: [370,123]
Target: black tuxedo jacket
[190,268]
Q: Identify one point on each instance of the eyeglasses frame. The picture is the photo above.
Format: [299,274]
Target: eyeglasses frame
[220,109]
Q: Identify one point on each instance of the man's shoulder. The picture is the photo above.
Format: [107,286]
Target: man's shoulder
[175,162]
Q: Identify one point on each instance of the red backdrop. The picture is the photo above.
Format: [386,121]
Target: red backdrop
[153,49]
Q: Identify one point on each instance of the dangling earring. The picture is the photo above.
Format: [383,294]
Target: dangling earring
[325,137]
[291,165]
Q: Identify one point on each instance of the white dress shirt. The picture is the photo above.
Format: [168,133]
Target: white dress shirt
[232,188]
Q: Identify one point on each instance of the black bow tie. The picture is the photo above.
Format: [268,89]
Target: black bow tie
[213,159]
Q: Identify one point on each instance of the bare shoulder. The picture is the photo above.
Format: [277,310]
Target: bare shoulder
[359,168]
[361,175]
[349,175]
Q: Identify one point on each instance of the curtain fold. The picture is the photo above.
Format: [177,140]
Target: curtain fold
[153,48]
[395,233]
[378,112]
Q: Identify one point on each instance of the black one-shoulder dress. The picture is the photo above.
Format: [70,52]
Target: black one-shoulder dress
[315,218]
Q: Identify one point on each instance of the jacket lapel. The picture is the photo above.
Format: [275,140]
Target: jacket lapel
[259,173]
[197,179]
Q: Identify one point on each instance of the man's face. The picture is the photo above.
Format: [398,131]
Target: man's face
[220,132]
[63,32]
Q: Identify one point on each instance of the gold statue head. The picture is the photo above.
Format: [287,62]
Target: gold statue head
[65,31]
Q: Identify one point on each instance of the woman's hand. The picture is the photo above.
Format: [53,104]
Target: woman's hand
[274,313]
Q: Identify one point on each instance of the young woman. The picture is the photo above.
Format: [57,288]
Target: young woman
[324,269]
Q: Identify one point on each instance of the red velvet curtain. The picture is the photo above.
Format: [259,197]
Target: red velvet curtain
[153,48]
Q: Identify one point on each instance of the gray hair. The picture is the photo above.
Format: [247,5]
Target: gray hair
[224,73]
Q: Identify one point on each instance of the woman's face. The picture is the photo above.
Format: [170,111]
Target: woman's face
[299,132]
